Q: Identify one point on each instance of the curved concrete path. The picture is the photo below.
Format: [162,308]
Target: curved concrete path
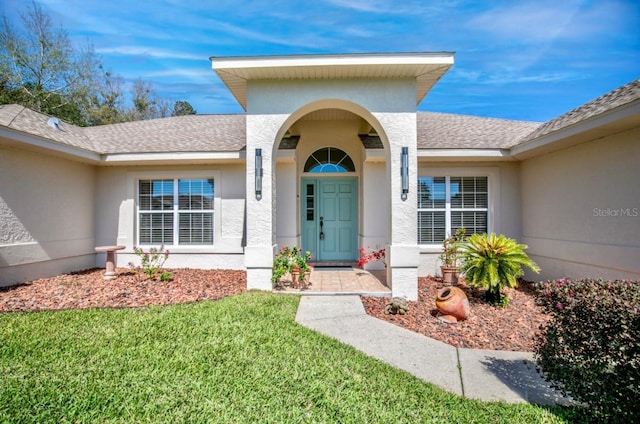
[487,375]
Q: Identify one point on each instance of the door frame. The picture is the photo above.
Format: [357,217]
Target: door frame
[311,242]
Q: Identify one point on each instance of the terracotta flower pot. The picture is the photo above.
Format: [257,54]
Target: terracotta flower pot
[449,274]
[452,302]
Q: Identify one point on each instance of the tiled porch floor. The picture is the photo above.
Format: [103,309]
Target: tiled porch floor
[343,280]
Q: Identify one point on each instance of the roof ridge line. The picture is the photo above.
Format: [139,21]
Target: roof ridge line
[14,118]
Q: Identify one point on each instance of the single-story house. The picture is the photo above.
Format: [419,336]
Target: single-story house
[331,155]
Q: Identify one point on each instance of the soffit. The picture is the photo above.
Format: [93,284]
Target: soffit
[426,68]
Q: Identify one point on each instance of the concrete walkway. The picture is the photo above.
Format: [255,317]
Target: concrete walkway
[487,375]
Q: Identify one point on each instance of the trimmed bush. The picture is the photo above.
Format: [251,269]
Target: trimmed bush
[492,262]
[590,349]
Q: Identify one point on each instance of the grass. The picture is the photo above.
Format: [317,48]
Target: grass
[239,359]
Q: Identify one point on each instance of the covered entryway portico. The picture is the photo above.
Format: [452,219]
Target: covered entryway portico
[361,105]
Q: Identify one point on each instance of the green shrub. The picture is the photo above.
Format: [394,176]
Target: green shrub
[151,262]
[286,259]
[590,350]
[493,262]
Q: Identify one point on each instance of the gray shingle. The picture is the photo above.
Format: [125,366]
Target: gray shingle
[227,133]
[449,131]
[619,97]
[8,113]
[191,133]
[31,122]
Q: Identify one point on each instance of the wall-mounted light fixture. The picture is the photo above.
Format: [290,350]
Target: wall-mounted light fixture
[258,173]
[404,171]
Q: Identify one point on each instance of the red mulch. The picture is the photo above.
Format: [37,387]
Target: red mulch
[87,289]
[488,327]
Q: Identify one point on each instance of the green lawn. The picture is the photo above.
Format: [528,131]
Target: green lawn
[240,359]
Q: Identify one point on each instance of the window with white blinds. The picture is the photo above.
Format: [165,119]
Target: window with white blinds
[176,211]
[448,203]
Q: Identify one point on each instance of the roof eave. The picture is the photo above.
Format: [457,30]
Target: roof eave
[173,158]
[15,138]
[236,71]
[464,155]
[613,121]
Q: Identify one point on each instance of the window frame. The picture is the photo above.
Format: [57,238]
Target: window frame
[133,187]
[493,197]
[345,158]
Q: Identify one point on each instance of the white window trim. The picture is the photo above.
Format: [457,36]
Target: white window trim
[493,196]
[132,194]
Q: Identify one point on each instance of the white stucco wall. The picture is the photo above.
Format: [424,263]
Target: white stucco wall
[46,216]
[287,232]
[376,207]
[375,95]
[389,105]
[504,200]
[581,209]
[314,135]
[116,214]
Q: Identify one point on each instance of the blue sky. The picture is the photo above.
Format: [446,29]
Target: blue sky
[526,60]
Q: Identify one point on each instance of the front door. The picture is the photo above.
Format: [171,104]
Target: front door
[329,209]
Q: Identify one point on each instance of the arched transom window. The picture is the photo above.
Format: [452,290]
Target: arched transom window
[329,159]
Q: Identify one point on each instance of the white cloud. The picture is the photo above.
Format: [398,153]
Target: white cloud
[149,52]
[512,75]
[362,5]
[393,6]
[296,41]
[532,22]
[191,73]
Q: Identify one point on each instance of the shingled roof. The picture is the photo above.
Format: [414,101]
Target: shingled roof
[621,96]
[227,133]
[191,133]
[23,119]
[449,131]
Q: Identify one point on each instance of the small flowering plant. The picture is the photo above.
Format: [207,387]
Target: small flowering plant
[451,247]
[151,262]
[289,258]
[374,255]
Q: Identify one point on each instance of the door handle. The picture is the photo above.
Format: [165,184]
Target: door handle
[321,227]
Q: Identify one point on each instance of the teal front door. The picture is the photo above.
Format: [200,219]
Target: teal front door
[329,209]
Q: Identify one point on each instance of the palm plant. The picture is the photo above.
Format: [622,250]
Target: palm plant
[492,262]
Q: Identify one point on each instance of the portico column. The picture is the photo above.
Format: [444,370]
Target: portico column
[259,250]
[403,253]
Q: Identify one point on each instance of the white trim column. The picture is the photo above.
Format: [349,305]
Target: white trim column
[403,252]
[258,254]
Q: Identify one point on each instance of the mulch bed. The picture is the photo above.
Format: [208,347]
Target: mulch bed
[87,289]
[488,327]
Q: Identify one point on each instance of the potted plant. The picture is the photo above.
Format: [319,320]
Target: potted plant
[449,256]
[493,262]
[291,260]
[300,267]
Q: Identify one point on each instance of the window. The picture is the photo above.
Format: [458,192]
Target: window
[329,159]
[176,209]
[448,203]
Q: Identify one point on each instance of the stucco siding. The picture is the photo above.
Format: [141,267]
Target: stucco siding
[504,201]
[581,209]
[375,211]
[376,95]
[286,205]
[116,218]
[46,215]
[318,134]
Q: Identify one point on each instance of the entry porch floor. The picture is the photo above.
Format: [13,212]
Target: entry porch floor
[341,280]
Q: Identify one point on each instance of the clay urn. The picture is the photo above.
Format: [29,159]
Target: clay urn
[453,304]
